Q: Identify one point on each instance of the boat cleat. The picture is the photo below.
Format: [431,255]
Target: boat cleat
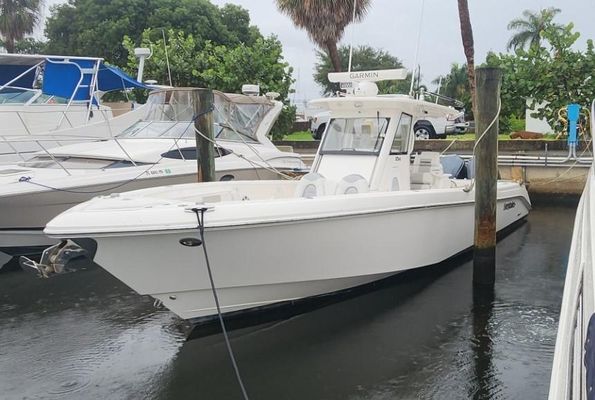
[54,259]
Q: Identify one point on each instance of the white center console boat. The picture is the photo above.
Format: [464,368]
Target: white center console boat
[364,212]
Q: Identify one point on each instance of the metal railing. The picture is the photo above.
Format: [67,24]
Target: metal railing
[48,137]
[568,379]
[46,141]
[63,118]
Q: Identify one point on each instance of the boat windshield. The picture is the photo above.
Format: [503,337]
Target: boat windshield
[159,129]
[171,112]
[355,135]
[238,117]
[16,95]
[13,95]
[68,162]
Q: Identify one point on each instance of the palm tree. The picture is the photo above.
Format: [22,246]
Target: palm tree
[455,84]
[17,19]
[365,58]
[468,47]
[529,29]
[324,20]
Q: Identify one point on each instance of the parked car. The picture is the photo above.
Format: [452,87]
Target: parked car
[318,124]
[434,125]
[439,125]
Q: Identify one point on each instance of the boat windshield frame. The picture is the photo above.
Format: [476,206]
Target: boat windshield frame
[375,136]
[10,95]
[35,96]
[235,118]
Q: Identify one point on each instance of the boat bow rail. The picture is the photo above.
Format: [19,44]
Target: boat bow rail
[168,116]
[41,93]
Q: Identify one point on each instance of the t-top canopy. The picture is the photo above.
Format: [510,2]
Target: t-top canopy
[63,76]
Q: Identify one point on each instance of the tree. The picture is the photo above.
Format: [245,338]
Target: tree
[218,66]
[530,29]
[455,85]
[324,20]
[17,19]
[97,28]
[547,78]
[468,47]
[365,58]
[29,46]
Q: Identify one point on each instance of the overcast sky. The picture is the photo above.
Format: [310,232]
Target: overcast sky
[393,25]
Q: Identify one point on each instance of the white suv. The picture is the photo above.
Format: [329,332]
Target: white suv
[428,127]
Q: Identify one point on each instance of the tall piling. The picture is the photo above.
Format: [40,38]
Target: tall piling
[204,100]
[488,82]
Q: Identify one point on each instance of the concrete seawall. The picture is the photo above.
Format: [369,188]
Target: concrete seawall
[535,162]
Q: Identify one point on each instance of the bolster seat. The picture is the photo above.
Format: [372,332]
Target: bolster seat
[352,184]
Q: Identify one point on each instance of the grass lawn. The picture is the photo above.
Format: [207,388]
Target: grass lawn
[299,136]
[307,136]
[502,136]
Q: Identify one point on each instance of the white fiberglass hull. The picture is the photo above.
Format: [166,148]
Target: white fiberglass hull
[258,264]
[25,215]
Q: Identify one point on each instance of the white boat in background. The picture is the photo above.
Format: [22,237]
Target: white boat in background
[45,100]
[362,214]
[159,150]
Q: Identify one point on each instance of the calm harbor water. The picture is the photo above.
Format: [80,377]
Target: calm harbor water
[425,335]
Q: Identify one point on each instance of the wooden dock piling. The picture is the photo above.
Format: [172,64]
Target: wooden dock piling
[488,81]
[205,149]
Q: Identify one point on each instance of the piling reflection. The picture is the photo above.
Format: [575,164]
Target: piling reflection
[485,377]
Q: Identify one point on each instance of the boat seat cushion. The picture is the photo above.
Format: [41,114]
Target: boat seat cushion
[352,184]
[311,185]
[427,161]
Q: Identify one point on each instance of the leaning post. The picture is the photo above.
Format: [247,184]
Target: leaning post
[488,81]
[203,100]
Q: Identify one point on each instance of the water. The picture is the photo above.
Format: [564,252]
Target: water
[423,336]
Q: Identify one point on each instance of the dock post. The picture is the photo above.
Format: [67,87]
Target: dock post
[488,82]
[205,150]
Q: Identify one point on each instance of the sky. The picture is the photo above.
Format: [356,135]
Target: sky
[394,26]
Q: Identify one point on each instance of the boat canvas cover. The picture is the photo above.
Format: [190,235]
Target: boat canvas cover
[63,76]
[11,67]
[236,117]
[62,79]
[239,114]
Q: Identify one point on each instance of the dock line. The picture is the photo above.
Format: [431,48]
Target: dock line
[200,217]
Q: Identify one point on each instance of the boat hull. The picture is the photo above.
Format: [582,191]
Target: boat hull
[257,265]
[24,215]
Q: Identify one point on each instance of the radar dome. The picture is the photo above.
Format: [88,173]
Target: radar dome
[366,89]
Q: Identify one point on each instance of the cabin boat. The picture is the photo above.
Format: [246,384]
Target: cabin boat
[45,101]
[363,213]
[158,150]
